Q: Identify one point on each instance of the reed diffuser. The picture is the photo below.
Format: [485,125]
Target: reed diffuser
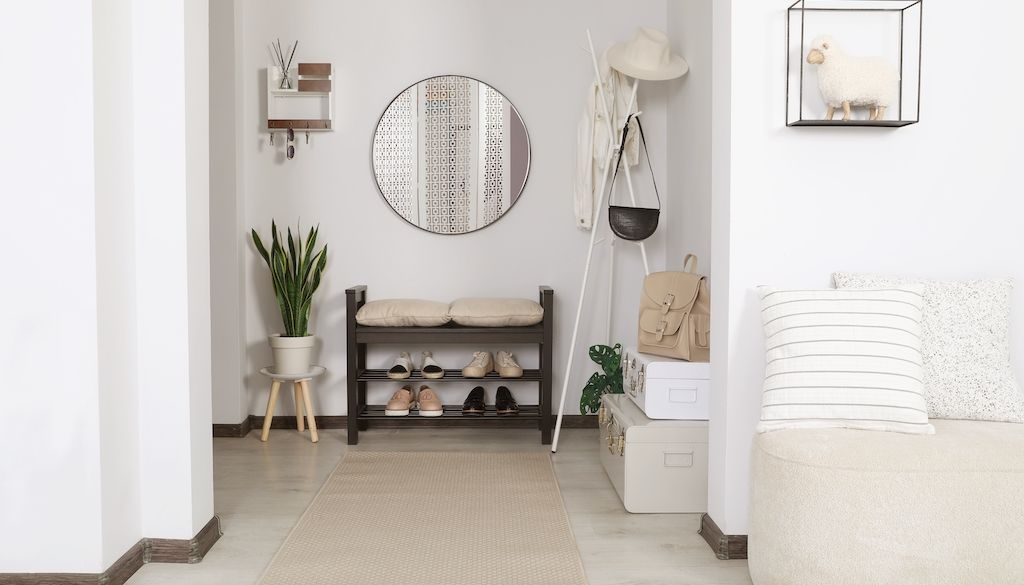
[286,80]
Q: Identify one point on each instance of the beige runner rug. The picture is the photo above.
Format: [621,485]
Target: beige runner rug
[433,518]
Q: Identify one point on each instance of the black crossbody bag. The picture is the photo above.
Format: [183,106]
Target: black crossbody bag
[633,223]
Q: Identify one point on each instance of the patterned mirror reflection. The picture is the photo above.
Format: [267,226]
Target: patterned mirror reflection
[451,154]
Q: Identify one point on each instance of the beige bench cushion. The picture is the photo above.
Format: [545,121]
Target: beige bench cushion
[487,312]
[842,506]
[403,313]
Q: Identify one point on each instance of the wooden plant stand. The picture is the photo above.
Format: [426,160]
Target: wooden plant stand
[300,383]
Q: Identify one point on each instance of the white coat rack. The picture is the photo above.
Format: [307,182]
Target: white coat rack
[613,148]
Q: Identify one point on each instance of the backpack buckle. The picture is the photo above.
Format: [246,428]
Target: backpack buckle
[666,304]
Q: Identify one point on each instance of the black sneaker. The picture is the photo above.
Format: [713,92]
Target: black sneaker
[474,403]
[504,403]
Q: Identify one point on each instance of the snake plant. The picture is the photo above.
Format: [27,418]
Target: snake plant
[599,384]
[295,271]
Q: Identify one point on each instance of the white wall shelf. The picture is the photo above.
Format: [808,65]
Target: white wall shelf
[308,105]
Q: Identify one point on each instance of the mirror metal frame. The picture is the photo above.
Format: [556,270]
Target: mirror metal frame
[529,154]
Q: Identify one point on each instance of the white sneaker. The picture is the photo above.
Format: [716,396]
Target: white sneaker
[481,365]
[402,368]
[431,370]
[507,366]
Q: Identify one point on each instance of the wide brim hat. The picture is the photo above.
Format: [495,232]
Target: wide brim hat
[647,56]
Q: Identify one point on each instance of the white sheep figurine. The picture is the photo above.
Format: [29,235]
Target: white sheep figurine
[846,81]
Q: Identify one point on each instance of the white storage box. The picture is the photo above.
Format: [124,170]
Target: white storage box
[656,466]
[665,388]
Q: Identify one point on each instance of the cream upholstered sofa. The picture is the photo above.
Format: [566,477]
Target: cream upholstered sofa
[840,506]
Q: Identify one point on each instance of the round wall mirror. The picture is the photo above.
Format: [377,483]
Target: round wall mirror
[451,154]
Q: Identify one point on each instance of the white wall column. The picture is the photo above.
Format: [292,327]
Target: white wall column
[171,82]
[725,454]
[228,232]
[49,420]
[107,419]
[116,277]
[698,213]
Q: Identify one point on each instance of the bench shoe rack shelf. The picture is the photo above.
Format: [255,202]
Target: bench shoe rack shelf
[361,414]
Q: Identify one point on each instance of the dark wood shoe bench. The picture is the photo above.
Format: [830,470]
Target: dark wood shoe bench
[361,415]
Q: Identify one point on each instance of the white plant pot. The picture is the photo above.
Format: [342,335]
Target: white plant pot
[292,355]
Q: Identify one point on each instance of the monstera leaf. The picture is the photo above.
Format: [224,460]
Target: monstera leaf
[607,381]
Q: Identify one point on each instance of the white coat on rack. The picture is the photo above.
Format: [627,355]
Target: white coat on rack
[593,140]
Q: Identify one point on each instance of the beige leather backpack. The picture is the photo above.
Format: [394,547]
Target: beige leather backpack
[675,314]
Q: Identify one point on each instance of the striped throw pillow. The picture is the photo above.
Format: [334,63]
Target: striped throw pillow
[844,358]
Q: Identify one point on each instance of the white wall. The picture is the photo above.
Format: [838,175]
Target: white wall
[228,234]
[171,170]
[722,451]
[106,427]
[532,52]
[50,416]
[688,217]
[115,263]
[196,14]
[938,199]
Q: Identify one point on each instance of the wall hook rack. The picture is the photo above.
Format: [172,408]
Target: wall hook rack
[307,106]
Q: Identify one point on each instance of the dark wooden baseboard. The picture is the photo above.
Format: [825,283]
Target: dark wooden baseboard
[124,567]
[255,421]
[726,546]
[288,421]
[172,550]
[118,573]
[147,550]
[54,579]
[579,421]
[233,430]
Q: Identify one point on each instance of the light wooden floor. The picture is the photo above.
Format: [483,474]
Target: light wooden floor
[262,488]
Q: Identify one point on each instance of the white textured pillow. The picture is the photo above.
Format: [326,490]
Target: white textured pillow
[843,358]
[496,312]
[403,313]
[966,346]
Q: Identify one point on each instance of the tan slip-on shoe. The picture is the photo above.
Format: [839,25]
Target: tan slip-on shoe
[430,404]
[401,402]
[507,366]
[402,368]
[481,365]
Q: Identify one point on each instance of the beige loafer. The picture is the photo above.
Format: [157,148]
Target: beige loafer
[402,401]
[506,365]
[481,365]
[430,404]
